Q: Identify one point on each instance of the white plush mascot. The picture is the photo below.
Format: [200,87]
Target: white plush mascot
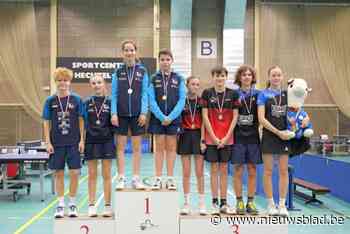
[297,93]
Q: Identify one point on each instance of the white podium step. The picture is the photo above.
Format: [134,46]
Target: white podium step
[84,225]
[147,211]
[213,224]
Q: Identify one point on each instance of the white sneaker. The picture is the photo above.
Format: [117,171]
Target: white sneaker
[225,209]
[186,210]
[120,183]
[271,210]
[202,209]
[92,211]
[137,184]
[157,184]
[107,212]
[59,213]
[73,211]
[215,209]
[170,184]
[282,211]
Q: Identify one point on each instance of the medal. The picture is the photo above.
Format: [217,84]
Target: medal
[250,102]
[130,78]
[165,80]
[98,112]
[220,105]
[192,112]
[64,112]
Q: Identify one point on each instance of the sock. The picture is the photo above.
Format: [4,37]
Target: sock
[107,204]
[121,176]
[170,177]
[215,201]
[239,198]
[250,199]
[61,201]
[201,199]
[72,200]
[270,202]
[135,177]
[282,202]
[223,202]
[187,198]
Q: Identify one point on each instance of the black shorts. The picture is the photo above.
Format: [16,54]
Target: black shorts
[100,151]
[159,129]
[189,142]
[246,153]
[126,123]
[213,154]
[272,144]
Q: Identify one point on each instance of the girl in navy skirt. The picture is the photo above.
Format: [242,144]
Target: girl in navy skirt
[99,143]
[272,113]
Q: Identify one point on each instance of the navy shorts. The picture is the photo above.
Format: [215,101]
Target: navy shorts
[100,151]
[126,123]
[189,142]
[246,153]
[63,155]
[159,129]
[213,154]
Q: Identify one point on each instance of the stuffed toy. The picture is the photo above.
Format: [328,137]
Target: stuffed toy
[297,93]
[299,135]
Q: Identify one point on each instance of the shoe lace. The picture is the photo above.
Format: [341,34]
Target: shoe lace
[251,205]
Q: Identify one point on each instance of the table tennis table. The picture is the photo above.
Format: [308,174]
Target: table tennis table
[9,185]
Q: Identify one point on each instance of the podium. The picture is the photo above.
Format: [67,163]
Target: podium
[84,225]
[223,224]
[155,212]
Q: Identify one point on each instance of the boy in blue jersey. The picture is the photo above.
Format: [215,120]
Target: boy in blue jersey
[129,110]
[63,132]
[167,100]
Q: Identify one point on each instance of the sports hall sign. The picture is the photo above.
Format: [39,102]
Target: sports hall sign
[84,68]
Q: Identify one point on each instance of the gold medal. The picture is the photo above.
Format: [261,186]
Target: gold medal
[193,126]
[220,117]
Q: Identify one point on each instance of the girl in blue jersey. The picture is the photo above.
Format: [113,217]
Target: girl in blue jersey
[272,113]
[167,100]
[99,143]
[129,110]
[246,150]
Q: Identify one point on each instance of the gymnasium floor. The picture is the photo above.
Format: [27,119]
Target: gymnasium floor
[30,216]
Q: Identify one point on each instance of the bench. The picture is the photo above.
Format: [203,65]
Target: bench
[314,188]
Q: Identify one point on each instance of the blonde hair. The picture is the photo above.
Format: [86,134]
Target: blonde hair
[99,75]
[268,83]
[63,72]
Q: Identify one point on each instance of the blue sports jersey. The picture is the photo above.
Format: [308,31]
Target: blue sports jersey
[64,129]
[275,103]
[130,104]
[172,106]
[98,130]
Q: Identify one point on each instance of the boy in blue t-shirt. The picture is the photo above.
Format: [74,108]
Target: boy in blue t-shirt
[63,131]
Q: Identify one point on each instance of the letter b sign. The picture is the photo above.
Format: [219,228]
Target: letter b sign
[206,48]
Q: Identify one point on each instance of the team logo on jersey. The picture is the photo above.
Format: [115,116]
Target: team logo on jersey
[54,106]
